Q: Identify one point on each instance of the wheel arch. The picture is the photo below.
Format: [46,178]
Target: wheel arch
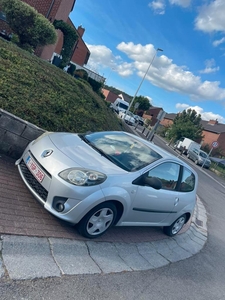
[119,209]
[188,216]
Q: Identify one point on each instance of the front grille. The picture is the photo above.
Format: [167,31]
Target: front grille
[37,163]
[33,183]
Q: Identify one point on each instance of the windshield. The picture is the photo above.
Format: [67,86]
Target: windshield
[124,106]
[203,154]
[123,150]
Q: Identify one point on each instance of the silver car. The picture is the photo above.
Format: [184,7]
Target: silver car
[100,179]
[199,157]
[128,117]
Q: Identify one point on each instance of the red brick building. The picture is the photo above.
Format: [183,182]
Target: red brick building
[213,131]
[81,52]
[152,114]
[59,10]
[109,96]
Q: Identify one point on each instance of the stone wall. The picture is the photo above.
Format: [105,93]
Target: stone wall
[16,134]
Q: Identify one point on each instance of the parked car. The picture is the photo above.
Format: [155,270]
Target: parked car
[128,117]
[100,179]
[139,120]
[199,157]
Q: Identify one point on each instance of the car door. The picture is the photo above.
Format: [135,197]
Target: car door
[153,206]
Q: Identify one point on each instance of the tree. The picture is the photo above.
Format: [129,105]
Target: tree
[144,104]
[186,124]
[32,28]
[69,40]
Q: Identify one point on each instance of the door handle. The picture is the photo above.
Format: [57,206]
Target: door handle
[176,201]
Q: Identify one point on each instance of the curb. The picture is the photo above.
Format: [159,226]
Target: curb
[23,258]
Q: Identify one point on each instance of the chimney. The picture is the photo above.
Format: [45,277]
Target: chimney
[80,31]
[213,122]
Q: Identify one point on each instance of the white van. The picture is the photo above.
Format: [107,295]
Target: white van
[184,144]
[119,105]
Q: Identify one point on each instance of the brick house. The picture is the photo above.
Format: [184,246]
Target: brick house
[59,10]
[212,130]
[81,52]
[152,114]
[168,120]
[109,96]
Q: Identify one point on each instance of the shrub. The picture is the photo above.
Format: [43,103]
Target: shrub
[32,28]
[81,74]
[96,86]
[71,69]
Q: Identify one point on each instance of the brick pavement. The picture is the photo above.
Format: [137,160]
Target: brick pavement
[21,214]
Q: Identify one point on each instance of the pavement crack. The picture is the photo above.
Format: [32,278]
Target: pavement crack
[52,253]
[89,253]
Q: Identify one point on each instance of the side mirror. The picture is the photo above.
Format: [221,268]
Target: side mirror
[153,182]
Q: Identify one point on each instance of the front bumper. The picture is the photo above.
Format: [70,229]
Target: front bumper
[52,191]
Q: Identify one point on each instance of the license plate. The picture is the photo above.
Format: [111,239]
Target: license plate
[38,174]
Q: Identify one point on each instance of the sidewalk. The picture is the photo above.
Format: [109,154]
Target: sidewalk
[34,244]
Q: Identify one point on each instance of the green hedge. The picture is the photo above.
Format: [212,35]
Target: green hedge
[43,94]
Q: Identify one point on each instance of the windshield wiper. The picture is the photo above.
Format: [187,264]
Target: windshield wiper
[96,148]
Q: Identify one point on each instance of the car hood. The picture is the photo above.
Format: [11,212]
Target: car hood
[83,155]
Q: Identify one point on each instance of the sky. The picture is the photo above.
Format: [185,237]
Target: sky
[123,37]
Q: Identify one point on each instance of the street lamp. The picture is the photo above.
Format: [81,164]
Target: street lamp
[158,49]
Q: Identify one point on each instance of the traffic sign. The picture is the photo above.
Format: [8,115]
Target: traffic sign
[215,144]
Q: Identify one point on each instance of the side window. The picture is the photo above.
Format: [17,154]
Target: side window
[188,181]
[168,173]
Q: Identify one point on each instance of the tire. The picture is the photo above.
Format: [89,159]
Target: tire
[177,225]
[98,220]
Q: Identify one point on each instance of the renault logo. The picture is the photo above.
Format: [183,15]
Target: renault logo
[46,153]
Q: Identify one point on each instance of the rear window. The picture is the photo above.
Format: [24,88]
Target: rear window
[203,154]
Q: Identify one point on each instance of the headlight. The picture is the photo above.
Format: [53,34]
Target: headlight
[82,177]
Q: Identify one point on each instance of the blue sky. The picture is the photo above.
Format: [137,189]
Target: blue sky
[123,36]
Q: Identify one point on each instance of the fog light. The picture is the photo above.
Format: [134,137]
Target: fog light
[59,207]
[59,203]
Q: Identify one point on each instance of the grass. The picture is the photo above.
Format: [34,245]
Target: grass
[44,95]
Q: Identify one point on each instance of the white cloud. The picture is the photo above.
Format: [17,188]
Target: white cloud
[209,70]
[162,73]
[210,67]
[125,69]
[182,106]
[158,6]
[167,75]
[204,115]
[183,3]
[218,42]
[100,56]
[211,17]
